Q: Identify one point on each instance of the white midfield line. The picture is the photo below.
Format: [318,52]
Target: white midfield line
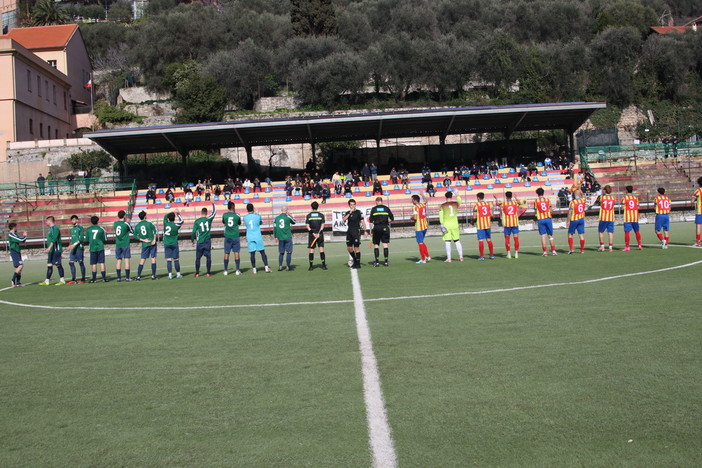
[380,435]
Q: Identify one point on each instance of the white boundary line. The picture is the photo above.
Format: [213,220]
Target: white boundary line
[348,301]
[379,433]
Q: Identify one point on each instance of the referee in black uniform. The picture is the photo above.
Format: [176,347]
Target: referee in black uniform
[381,217]
[353,219]
[315,226]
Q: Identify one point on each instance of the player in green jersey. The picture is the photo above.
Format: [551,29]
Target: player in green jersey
[53,250]
[96,243]
[123,231]
[232,239]
[76,252]
[171,225]
[145,232]
[283,232]
[448,218]
[202,240]
[15,242]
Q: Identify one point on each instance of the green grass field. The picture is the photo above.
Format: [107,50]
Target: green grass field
[581,360]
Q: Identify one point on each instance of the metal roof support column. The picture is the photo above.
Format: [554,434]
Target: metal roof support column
[250,163]
[442,149]
[377,151]
[571,144]
[314,154]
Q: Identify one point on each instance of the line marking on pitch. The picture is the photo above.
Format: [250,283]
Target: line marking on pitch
[348,301]
[379,433]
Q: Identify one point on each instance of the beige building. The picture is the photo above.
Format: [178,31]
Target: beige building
[9,11]
[43,76]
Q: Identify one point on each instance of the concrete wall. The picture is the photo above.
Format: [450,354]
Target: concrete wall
[27,159]
[271,104]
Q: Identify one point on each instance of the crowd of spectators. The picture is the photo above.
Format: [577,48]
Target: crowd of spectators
[340,183]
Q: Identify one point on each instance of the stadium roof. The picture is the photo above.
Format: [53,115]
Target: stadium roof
[367,126]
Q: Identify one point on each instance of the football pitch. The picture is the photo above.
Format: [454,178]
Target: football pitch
[574,360]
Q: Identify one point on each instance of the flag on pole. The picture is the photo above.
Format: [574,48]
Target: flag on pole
[89,84]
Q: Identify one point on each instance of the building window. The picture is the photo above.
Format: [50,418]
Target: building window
[64,101]
[46,86]
[39,85]
[54,89]
[29,81]
[56,133]
[52,63]
[48,132]
[31,127]
[41,130]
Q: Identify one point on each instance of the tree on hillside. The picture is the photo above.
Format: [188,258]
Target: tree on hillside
[500,61]
[90,161]
[198,97]
[172,38]
[313,17]
[47,12]
[325,80]
[242,72]
[613,56]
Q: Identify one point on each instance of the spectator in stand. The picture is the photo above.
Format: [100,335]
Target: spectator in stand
[666,146]
[465,173]
[347,186]
[444,170]
[548,163]
[325,193]
[41,181]
[269,182]
[457,174]
[208,183]
[404,176]
[71,179]
[151,195]
[674,142]
[247,185]
[426,174]
[356,177]
[170,198]
[188,197]
[494,168]
[430,189]
[199,189]
[237,185]
[288,188]
[532,169]
[523,173]
[256,185]
[365,173]
[377,188]
[393,176]
[227,190]
[475,171]
[374,172]
[447,181]
[217,190]
[338,188]
[208,192]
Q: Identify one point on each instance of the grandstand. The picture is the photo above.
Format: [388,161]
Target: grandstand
[647,174]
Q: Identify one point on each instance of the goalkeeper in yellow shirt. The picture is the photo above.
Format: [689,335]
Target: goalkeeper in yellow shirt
[448,217]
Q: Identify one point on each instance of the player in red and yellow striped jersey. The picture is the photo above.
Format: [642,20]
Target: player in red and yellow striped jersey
[576,220]
[543,215]
[697,200]
[607,202]
[419,216]
[663,205]
[482,212]
[510,222]
[631,218]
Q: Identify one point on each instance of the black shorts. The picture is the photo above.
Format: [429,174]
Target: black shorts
[311,238]
[353,239]
[381,234]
